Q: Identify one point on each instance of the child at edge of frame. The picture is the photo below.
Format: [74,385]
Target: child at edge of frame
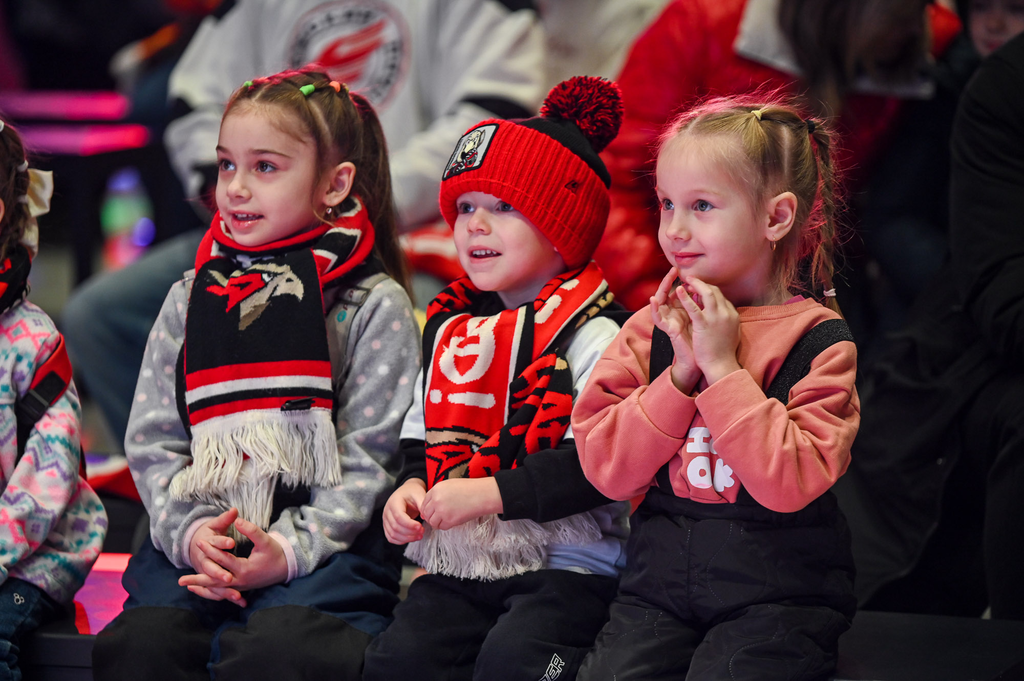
[729,405]
[266,418]
[52,523]
[522,554]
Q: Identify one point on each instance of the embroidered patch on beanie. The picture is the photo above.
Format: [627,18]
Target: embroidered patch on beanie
[470,151]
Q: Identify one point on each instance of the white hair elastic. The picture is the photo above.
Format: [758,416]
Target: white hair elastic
[24,166]
[40,191]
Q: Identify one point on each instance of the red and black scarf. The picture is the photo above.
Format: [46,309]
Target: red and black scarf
[496,389]
[14,277]
[257,369]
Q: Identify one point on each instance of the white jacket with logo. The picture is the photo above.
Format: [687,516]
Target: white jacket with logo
[431,68]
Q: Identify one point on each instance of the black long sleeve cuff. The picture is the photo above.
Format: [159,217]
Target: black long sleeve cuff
[548,486]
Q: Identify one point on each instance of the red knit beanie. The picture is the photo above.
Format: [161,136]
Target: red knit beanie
[548,167]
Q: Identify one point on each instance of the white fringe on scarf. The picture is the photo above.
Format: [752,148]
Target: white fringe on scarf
[488,548]
[297,447]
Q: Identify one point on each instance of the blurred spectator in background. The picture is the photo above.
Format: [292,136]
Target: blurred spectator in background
[992,23]
[905,208]
[143,67]
[935,489]
[853,59]
[592,37]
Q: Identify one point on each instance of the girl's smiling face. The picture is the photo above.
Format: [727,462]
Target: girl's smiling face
[710,227]
[268,180]
[501,250]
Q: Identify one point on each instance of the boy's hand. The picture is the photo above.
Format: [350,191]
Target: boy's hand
[265,565]
[402,510]
[453,502]
[669,315]
[715,329]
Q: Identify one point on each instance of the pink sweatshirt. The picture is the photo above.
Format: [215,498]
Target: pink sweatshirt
[729,435]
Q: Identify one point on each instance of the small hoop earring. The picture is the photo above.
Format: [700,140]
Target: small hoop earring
[774,243]
[330,209]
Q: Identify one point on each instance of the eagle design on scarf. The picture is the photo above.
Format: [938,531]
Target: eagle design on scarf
[253,288]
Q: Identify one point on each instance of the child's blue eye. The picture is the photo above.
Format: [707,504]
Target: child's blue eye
[503,207]
[702,206]
[264,167]
[667,205]
[464,208]
[225,165]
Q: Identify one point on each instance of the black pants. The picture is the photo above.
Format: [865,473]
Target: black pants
[535,626]
[314,627]
[728,591]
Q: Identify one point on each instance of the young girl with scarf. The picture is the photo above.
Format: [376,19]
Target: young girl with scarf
[267,413]
[52,524]
[522,552]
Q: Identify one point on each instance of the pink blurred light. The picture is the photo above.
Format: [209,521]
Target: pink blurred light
[64,105]
[83,140]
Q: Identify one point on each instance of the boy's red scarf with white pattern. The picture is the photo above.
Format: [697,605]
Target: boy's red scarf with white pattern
[257,369]
[497,388]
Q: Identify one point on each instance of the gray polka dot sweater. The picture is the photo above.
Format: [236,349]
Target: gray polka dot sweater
[376,388]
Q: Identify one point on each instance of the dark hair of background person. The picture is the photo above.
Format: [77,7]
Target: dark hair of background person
[838,41]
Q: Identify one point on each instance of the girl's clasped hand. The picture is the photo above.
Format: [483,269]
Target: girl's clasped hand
[702,324]
[221,575]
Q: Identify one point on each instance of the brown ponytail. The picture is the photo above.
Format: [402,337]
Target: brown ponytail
[373,183]
[13,186]
[822,265]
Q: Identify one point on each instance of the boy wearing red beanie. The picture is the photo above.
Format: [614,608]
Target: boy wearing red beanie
[522,553]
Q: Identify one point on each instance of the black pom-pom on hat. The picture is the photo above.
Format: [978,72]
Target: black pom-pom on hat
[594,105]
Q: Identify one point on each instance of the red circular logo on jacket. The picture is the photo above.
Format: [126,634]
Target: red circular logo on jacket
[359,42]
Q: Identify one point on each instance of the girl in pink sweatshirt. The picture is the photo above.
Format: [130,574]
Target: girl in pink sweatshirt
[729,406]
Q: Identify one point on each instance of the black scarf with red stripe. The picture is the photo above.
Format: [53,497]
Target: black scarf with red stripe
[258,390]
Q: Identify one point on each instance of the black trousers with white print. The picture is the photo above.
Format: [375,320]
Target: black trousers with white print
[728,592]
[532,627]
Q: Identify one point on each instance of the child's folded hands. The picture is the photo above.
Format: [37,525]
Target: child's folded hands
[221,575]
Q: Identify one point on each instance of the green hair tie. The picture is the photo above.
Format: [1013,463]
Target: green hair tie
[247,85]
[307,90]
